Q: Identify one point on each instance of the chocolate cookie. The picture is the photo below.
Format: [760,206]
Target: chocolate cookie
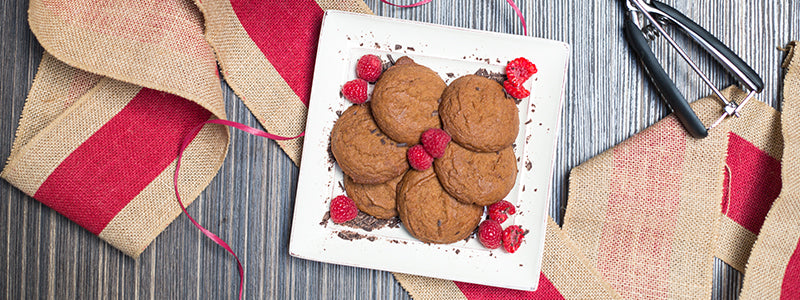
[430,214]
[478,115]
[406,99]
[362,151]
[377,200]
[480,178]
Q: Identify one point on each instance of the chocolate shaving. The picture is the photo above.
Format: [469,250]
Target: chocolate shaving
[338,113]
[397,47]
[410,48]
[499,77]
[350,235]
[391,59]
[325,219]
[369,223]
[528,122]
[341,185]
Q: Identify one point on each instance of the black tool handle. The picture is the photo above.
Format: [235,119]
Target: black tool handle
[664,85]
[691,26]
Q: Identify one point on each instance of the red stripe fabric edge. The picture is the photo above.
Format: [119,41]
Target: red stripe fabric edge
[101,176]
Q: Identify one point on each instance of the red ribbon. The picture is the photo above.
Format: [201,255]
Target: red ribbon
[186,141]
[510,2]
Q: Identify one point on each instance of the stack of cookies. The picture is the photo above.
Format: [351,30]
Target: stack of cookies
[443,204]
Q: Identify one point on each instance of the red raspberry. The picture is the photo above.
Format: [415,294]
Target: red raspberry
[369,67]
[434,141]
[355,90]
[418,158]
[512,238]
[499,210]
[489,234]
[343,209]
[519,70]
[516,90]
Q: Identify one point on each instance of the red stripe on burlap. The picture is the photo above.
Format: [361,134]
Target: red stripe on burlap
[642,213]
[790,288]
[546,290]
[287,34]
[111,167]
[753,184]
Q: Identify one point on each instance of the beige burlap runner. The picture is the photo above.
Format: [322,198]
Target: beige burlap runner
[773,270]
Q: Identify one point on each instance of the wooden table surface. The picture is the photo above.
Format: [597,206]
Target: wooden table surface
[608,99]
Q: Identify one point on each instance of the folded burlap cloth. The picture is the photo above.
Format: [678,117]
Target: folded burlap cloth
[646,218]
[121,83]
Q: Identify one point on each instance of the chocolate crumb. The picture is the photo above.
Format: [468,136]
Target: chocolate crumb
[372,239]
[451,75]
[402,144]
[377,46]
[528,165]
[361,45]
[383,142]
[477,88]
[540,124]
[528,122]
[348,38]
[458,251]
[498,60]
[394,242]
[350,235]
[490,253]
[520,265]
[369,223]
[410,48]
[397,47]
[405,243]
[338,113]
[523,188]
[535,190]
[486,60]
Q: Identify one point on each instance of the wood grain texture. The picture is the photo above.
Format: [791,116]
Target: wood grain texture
[250,202]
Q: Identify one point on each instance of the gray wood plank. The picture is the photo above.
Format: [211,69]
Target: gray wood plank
[250,202]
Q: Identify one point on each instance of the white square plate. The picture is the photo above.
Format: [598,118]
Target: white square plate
[451,52]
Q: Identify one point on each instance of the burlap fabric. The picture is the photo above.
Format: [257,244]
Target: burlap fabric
[122,82]
[649,215]
[773,270]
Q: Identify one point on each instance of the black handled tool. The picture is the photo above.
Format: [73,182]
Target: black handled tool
[656,15]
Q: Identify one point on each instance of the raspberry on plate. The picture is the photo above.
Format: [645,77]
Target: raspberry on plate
[369,68]
[418,158]
[516,90]
[512,238]
[435,141]
[489,233]
[500,210]
[343,209]
[519,70]
[355,90]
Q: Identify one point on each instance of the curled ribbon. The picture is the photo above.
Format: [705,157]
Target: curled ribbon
[186,141]
[510,2]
